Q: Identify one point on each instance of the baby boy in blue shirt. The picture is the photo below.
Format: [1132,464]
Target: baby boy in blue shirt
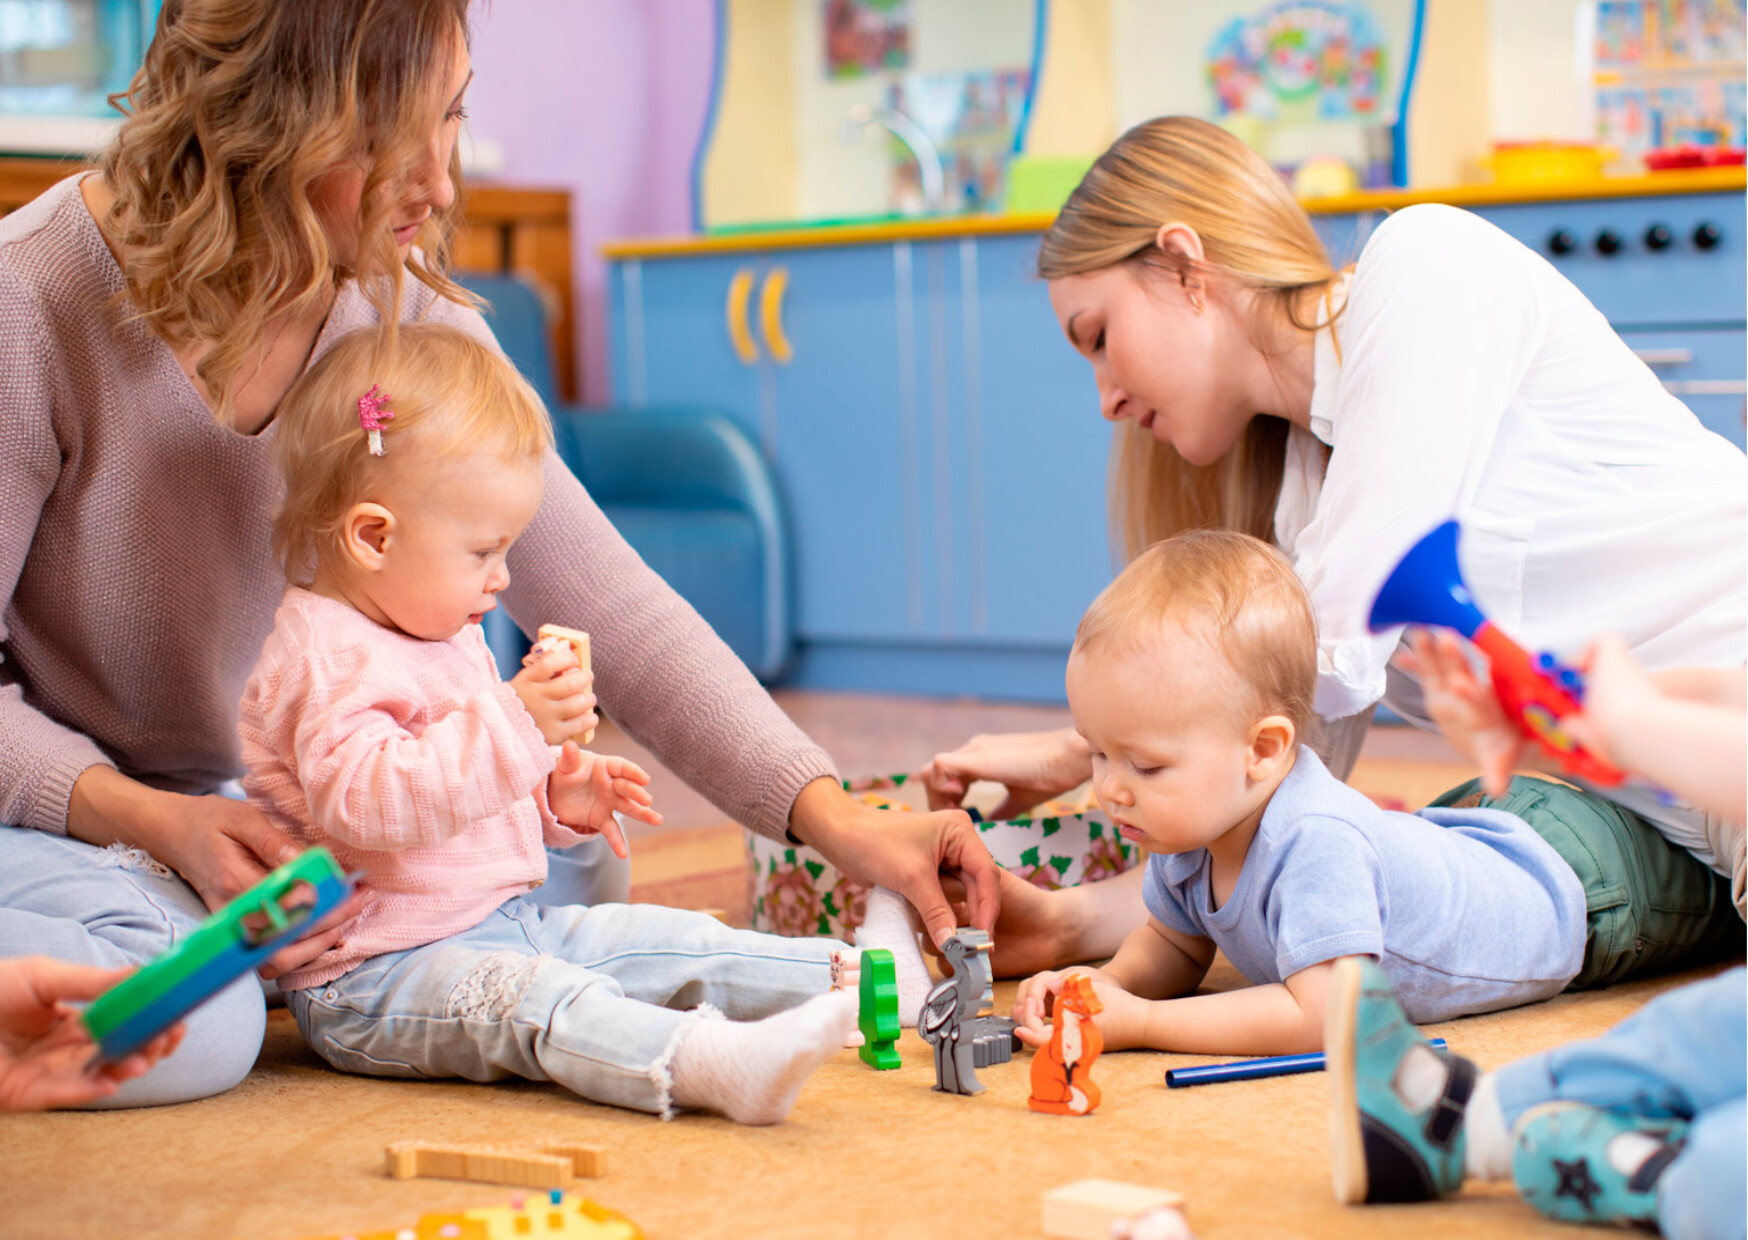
[1192,679]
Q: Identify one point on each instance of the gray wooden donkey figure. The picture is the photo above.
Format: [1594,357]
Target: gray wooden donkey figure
[958,1017]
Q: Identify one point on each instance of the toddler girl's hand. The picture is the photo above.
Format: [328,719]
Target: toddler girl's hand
[585,790]
[1466,710]
[1616,693]
[558,693]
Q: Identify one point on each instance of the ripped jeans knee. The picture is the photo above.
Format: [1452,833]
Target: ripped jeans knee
[493,987]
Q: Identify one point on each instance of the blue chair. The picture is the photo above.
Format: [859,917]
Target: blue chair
[686,488]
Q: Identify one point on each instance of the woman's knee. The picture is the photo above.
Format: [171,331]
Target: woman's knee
[222,1042]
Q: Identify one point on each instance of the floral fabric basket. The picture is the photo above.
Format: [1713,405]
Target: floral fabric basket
[797,892]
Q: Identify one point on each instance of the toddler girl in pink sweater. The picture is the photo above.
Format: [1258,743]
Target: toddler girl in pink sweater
[375,723]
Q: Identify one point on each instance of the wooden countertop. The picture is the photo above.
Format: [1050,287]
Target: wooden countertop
[1686,181]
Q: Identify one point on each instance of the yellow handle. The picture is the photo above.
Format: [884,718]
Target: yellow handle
[740,292]
[771,314]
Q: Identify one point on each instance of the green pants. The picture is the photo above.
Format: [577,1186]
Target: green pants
[1651,906]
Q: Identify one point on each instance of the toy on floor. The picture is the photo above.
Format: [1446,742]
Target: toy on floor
[1427,588]
[1165,1223]
[237,938]
[544,1166]
[1255,1069]
[1062,1081]
[553,1216]
[1096,1209]
[958,1017]
[877,1012]
[551,637]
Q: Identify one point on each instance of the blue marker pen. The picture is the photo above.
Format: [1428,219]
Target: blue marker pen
[1253,1069]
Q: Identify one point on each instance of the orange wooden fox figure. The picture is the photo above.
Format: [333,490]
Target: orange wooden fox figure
[1062,1083]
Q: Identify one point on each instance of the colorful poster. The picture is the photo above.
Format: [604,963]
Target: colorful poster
[1669,73]
[866,36]
[1301,60]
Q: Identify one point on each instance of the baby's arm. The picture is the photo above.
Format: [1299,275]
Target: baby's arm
[1155,962]
[586,789]
[373,784]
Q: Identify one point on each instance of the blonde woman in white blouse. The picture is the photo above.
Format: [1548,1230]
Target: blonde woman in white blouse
[1341,415]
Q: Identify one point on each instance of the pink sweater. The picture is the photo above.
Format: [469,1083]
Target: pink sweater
[137,579]
[409,759]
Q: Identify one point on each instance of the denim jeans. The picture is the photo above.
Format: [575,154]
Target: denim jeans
[593,998]
[112,907]
[1682,1055]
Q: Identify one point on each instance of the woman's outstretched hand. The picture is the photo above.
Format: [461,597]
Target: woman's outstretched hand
[45,1051]
[1032,766]
[910,853]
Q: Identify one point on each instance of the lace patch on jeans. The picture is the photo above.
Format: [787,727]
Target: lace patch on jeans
[494,987]
[121,857]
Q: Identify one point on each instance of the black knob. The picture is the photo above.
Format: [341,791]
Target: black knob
[1562,242]
[1658,237]
[1608,241]
[1707,235]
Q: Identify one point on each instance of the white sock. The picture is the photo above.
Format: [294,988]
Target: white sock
[893,924]
[751,1071]
[1487,1148]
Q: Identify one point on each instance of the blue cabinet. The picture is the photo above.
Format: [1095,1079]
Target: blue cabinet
[937,445]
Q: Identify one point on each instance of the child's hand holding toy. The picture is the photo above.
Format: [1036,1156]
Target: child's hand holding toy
[1123,1022]
[1466,708]
[585,790]
[558,693]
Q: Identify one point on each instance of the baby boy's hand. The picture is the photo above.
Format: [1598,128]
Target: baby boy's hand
[585,790]
[1037,994]
[558,693]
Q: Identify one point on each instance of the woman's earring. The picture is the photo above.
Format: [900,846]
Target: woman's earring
[1196,301]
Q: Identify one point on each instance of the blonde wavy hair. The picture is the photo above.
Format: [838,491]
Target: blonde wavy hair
[1177,169]
[239,108]
[449,394]
[1236,594]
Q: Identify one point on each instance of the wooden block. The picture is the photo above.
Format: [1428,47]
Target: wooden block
[483,1164]
[579,644]
[588,1161]
[1086,1209]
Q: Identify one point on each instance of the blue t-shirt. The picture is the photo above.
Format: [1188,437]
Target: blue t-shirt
[1467,910]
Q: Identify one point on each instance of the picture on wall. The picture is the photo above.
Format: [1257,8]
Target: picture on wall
[1668,74]
[866,36]
[971,117]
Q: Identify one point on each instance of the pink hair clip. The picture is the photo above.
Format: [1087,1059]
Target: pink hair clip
[372,413]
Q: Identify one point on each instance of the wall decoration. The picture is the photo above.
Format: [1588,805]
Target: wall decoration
[1669,74]
[1301,60]
[866,36]
[971,118]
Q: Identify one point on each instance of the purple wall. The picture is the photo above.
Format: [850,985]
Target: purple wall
[605,98]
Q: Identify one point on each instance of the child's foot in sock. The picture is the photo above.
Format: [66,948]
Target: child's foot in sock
[891,923]
[751,1071]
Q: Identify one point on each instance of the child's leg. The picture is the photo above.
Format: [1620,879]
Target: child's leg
[1682,1053]
[1700,1195]
[679,958]
[496,1001]
[1652,906]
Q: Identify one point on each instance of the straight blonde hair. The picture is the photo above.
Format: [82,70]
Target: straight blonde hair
[239,108]
[448,393]
[1177,169]
[1235,593]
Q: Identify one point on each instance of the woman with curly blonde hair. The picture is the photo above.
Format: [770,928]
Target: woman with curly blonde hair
[285,174]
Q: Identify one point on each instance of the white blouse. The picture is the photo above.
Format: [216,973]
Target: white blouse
[1467,377]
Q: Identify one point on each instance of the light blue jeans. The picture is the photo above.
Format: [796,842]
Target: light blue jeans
[1683,1055]
[593,998]
[112,907]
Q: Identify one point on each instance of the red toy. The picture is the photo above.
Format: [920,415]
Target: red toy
[1427,588]
[1061,1072]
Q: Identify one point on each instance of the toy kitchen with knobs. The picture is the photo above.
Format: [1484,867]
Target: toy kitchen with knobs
[1661,255]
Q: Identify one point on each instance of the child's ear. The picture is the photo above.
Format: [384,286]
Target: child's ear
[368,531]
[1273,741]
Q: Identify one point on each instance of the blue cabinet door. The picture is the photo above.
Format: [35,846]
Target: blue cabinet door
[671,340]
[844,438]
[1038,455]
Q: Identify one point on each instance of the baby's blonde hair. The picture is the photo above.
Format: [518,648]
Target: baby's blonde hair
[450,395]
[1233,592]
